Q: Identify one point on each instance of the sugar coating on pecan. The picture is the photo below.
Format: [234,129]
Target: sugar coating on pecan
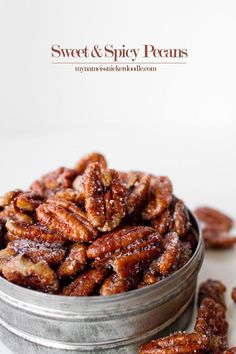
[28,201]
[86,283]
[177,343]
[233,295]
[216,238]
[115,240]
[181,223]
[39,276]
[163,222]
[215,218]
[213,289]
[67,219]
[105,197]
[74,263]
[160,197]
[53,254]
[88,159]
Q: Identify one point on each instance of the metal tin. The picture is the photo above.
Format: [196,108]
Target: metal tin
[33,322]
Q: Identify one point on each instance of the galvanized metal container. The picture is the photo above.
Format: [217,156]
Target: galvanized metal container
[33,322]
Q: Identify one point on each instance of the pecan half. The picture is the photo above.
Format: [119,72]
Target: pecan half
[233,294]
[74,263]
[160,197]
[213,289]
[88,159]
[37,251]
[137,185]
[28,201]
[67,219]
[116,240]
[216,238]
[70,195]
[105,197]
[211,322]
[22,271]
[35,232]
[5,255]
[214,218]
[114,285]
[9,197]
[181,223]
[177,343]
[185,253]
[163,222]
[86,283]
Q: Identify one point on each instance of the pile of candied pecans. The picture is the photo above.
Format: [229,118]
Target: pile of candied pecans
[210,331]
[92,230]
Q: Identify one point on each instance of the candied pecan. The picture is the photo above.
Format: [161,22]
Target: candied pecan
[60,178]
[38,251]
[233,294]
[137,185]
[67,219]
[181,223]
[185,253]
[11,212]
[105,197]
[169,260]
[114,285]
[215,218]
[213,289]
[5,255]
[177,343]
[163,222]
[160,197]
[35,232]
[86,283]
[28,201]
[71,195]
[116,240]
[74,263]
[9,197]
[212,323]
[216,238]
[133,263]
[88,159]
[150,278]
[39,276]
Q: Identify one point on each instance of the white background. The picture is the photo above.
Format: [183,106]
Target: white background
[179,121]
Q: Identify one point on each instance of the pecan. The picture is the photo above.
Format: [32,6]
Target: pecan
[74,263]
[213,289]
[28,201]
[133,263]
[233,294]
[5,255]
[137,185]
[11,212]
[160,197]
[86,283]
[216,238]
[35,232]
[211,323]
[70,195]
[214,218]
[169,260]
[37,251]
[90,158]
[105,197]
[67,219]
[114,285]
[163,222]
[9,197]
[181,223]
[60,178]
[22,271]
[116,240]
[150,278]
[185,253]
[177,343]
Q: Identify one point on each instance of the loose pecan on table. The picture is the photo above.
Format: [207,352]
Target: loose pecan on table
[214,218]
[233,294]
